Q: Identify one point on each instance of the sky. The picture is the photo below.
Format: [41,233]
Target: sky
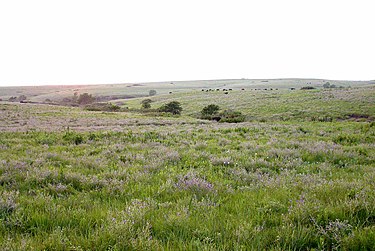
[50,42]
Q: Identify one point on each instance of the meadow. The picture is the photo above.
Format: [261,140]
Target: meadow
[297,174]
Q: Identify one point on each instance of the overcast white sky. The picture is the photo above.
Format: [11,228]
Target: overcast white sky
[108,41]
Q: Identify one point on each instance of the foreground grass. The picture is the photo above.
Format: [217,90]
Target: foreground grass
[288,186]
[79,180]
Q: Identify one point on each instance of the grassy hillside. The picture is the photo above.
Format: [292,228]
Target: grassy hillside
[56,93]
[277,104]
[298,174]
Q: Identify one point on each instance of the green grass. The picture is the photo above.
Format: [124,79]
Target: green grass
[276,105]
[283,180]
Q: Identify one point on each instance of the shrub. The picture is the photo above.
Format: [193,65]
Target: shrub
[328,85]
[231,116]
[146,103]
[307,88]
[152,93]
[210,110]
[108,107]
[22,98]
[85,99]
[173,107]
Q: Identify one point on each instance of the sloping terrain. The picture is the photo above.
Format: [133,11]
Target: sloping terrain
[298,174]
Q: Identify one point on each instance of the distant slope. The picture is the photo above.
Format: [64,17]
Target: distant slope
[41,93]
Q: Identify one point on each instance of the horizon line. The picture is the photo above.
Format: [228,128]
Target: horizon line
[195,80]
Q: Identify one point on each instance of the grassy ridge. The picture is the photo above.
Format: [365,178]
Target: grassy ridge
[57,93]
[79,180]
[278,105]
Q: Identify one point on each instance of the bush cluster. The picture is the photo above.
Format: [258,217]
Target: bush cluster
[173,107]
[146,103]
[211,112]
[107,107]
[329,85]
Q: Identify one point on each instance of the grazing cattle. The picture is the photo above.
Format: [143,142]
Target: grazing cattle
[202,90]
[230,89]
[226,92]
[292,88]
[170,92]
[243,89]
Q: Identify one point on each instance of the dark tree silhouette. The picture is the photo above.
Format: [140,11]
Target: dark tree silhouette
[210,110]
[85,99]
[173,107]
[146,103]
[152,93]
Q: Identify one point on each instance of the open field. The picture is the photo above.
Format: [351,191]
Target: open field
[298,174]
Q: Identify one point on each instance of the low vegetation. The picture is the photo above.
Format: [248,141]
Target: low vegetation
[173,107]
[109,107]
[295,172]
[308,88]
[146,103]
[152,93]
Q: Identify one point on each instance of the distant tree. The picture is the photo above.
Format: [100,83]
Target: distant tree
[173,107]
[210,110]
[12,99]
[146,103]
[152,93]
[328,85]
[85,99]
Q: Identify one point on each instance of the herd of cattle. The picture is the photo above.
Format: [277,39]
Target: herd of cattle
[226,91]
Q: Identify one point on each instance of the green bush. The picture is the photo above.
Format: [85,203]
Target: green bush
[152,93]
[173,107]
[328,85]
[146,103]
[231,116]
[85,99]
[73,137]
[108,107]
[210,110]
